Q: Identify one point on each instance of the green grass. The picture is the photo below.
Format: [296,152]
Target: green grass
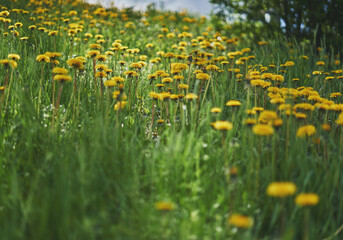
[96,173]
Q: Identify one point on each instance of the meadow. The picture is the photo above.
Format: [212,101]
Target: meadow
[118,124]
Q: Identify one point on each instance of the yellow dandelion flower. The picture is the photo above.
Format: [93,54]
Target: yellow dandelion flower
[191,96]
[169,55]
[267,76]
[212,68]
[101,58]
[250,112]
[303,106]
[300,115]
[339,121]
[329,78]
[304,57]
[118,94]
[4,13]
[250,121]
[261,43]
[53,55]
[277,122]
[110,83]
[165,206]
[281,189]
[118,79]
[326,127]
[143,57]
[167,80]
[179,66]
[183,86]
[263,130]
[160,53]
[88,35]
[322,106]
[289,64]
[136,65]
[307,199]
[93,53]
[260,83]
[8,63]
[222,125]
[72,13]
[267,116]
[95,46]
[32,27]
[174,96]
[160,121]
[153,95]
[306,131]
[14,57]
[335,94]
[101,67]
[76,63]
[120,105]
[178,77]
[240,221]
[163,95]
[131,73]
[245,50]
[53,33]
[100,74]
[277,100]
[233,103]
[278,78]
[202,76]
[258,109]
[216,110]
[233,171]
[42,58]
[62,78]
[58,70]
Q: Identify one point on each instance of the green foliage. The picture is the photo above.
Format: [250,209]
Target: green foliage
[302,19]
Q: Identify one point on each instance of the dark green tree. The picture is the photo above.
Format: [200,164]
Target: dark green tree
[295,18]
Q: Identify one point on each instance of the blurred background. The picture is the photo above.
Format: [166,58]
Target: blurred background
[202,7]
[317,21]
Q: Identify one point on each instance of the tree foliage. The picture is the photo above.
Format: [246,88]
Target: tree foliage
[295,18]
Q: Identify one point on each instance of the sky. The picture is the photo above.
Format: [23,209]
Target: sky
[202,7]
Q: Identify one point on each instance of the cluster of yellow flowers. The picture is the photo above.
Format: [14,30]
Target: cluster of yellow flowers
[285,189]
[186,60]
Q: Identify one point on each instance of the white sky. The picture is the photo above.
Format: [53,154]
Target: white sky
[202,7]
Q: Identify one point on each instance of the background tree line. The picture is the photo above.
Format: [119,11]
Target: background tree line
[320,20]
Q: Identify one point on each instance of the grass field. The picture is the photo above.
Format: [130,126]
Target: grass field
[116,124]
